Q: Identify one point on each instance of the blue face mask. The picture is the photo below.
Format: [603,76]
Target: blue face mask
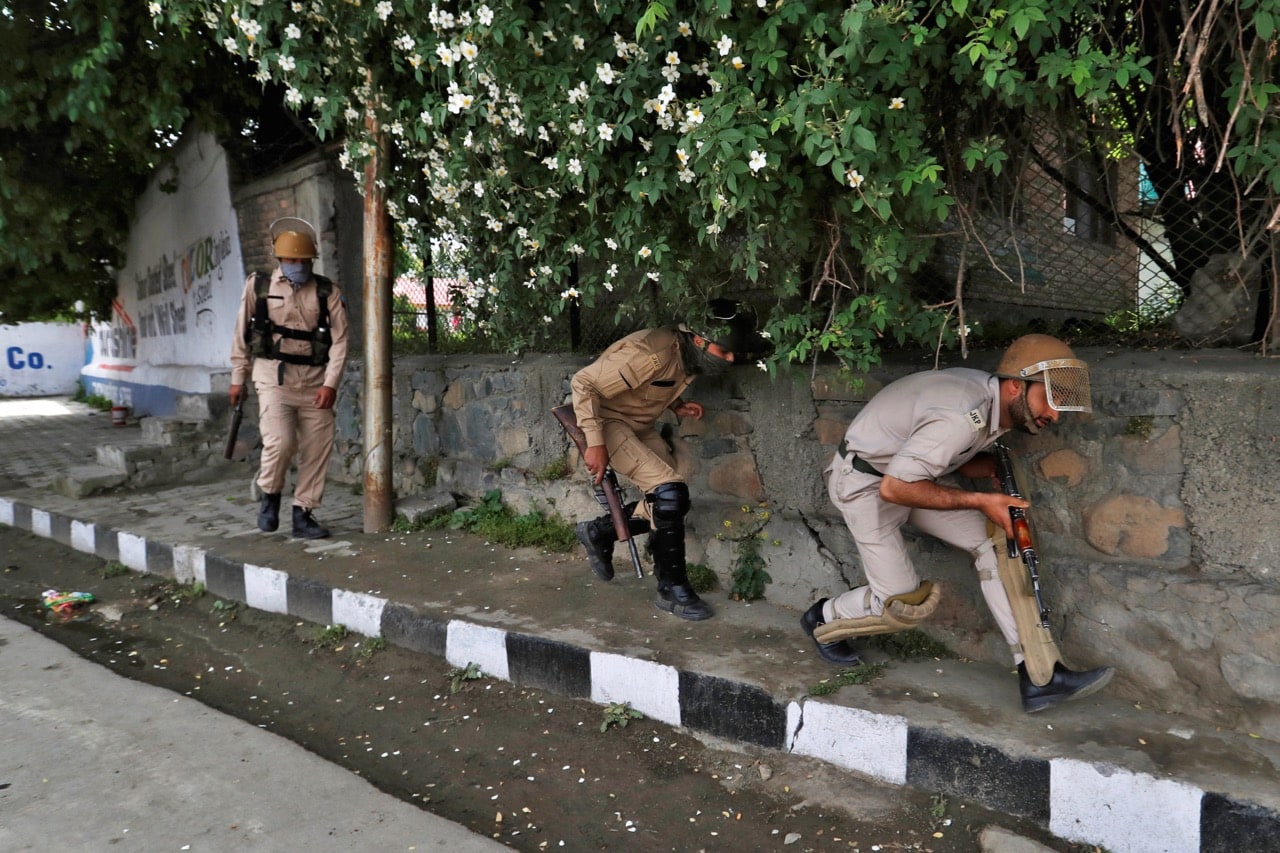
[298,273]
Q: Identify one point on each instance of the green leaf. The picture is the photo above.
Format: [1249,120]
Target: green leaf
[864,138]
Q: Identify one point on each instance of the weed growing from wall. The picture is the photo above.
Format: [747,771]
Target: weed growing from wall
[749,574]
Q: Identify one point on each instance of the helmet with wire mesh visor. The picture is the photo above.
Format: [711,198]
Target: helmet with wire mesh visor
[1043,358]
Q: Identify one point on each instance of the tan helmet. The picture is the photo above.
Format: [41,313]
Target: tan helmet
[293,238]
[1044,358]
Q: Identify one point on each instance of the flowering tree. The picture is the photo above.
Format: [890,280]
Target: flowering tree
[90,106]
[809,146]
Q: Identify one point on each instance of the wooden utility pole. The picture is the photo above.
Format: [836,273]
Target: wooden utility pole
[379,508]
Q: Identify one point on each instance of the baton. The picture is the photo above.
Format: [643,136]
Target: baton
[237,415]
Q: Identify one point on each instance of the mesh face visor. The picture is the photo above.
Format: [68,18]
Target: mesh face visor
[1066,383]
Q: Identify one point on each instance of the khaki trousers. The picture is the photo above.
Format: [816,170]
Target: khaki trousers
[643,457]
[876,526]
[290,422]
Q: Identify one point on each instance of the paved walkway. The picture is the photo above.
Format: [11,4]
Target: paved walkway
[90,760]
[1102,771]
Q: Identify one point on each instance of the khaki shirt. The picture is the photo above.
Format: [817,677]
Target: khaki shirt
[293,308]
[928,424]
[634,381]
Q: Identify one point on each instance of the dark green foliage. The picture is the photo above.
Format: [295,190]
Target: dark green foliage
[492,520]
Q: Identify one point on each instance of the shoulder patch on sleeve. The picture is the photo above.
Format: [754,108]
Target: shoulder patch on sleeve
[976,420]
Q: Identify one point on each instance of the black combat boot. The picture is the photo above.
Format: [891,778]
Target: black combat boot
[305,525]
[1064,686]
[674,593]
[269,513]
[838,652]
[598,536]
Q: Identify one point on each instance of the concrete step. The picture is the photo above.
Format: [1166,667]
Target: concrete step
[84,480]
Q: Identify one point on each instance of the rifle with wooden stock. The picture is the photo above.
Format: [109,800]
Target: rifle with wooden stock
[608,492]
[1021,545]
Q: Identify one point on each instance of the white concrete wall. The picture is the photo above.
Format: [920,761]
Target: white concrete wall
[172,321]
[40,359]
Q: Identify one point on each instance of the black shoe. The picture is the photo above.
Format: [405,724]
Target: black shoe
[599,548]
[1064,686]
[838,652]
[269,513]
[680,600]
[305,526]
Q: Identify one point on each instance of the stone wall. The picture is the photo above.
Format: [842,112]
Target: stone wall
[1156,515]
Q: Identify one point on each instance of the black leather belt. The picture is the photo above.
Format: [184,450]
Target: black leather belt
[858,463]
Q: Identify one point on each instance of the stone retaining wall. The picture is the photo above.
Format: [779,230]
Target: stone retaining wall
[1156,515]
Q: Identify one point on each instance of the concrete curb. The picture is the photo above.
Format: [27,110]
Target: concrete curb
[1085,802]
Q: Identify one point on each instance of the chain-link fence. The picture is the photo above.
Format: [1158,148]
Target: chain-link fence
[1100,248]
[1111,247]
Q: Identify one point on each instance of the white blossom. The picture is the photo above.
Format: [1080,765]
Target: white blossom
[605,131]
[854,177]
[724,45]
[484,15]
[292,32]
[605,73]
[383,9]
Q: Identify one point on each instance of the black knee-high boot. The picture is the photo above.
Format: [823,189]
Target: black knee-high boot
[674,593]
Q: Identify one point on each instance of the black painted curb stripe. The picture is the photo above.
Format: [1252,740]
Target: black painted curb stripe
[934,761]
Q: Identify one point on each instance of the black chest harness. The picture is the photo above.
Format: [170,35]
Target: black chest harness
[264,337]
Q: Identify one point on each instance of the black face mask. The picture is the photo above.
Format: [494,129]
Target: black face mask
[698,362]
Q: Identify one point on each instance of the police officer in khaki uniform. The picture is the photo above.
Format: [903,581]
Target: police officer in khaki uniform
[296,350]
[885,474]
[617,399]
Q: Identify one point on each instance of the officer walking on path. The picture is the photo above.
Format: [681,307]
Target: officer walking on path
[617,399]
[291,337]
[885,474]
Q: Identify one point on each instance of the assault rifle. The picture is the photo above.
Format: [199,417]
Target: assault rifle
[237,415]
[1020,545]
[608,492]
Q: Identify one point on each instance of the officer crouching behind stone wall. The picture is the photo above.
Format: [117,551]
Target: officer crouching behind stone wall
[885,474]
[617,399]
[291,332]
